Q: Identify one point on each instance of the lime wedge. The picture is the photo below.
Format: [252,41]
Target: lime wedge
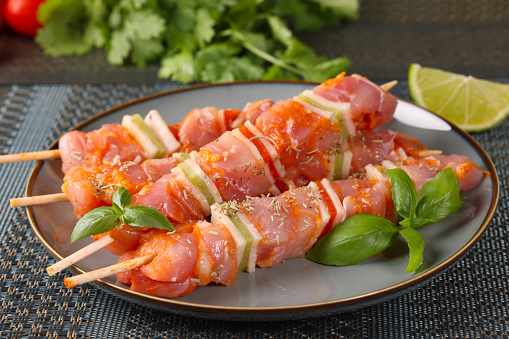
[472,104]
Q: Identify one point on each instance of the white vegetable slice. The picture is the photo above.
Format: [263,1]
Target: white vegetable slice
[382,180]
[181,156]
[239,120]
[251,261]
[289,183]
[151,150]
[340,210]
[254,151]
[347,164]
[198,184]
[220,120]
[336,166]
[162,131]
[372,173]
[246,236]
[269,146]
[341,111]
[401,154]
[322,209]
[211,188]
[274,190]
[218,217]
[387,165]
[191,189]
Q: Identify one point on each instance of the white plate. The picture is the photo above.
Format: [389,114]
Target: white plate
[296,288]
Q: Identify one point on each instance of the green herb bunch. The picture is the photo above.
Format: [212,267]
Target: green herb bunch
[364,235]
[198,41]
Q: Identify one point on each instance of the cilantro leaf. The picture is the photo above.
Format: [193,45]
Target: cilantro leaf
[280,30]
[120,47]
[204,30]
[329,68]
[178,67]
[347,8]
[144,51]
[144,24]
[69,27]
[314,15]
[275,72]
[131,4]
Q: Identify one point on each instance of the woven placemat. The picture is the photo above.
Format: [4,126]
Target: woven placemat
[467,301]
[464,36]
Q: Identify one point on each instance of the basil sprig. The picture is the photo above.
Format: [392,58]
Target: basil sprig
[104,219]
[363,235]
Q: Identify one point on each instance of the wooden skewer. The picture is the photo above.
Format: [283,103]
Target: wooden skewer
[41,155]
[38,200]
[428,152]
[107,271]
[55,153]
[51,154]
[61,197]
[82,253]
[387,86]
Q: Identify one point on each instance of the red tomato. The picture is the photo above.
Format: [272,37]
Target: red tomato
[21,16]
[1,13]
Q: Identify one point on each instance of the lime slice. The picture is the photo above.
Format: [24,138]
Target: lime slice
[472,104]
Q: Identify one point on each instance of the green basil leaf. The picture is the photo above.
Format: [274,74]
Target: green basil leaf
[415,243]
[437,199]
[97,221]
[118,210]
[357,238]
[403,192]
[144,216]
[121,198]
[407,223]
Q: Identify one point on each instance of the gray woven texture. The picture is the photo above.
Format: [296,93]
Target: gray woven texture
[468,301]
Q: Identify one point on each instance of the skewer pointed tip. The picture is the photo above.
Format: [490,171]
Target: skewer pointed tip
[389,85]
[80,254]
[107,271]
[429,152]
[40,155]
[38,200]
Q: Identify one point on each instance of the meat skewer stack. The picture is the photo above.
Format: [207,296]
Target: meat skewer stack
[232,167]
[264,231]
[293,143]
[108,141]
[113,146]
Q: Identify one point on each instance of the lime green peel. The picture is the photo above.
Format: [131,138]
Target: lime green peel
[472,104]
